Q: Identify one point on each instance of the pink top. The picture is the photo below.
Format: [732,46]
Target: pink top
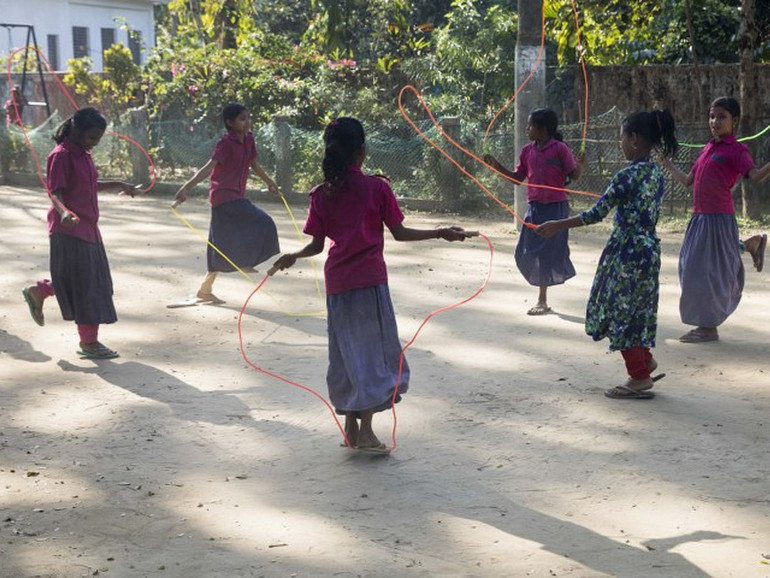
[71,169]
[228,179]
[550,165]
[716,171]
[353,219]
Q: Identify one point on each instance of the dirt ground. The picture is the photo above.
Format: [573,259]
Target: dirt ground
[179,459]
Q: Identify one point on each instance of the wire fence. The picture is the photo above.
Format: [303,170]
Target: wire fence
[417,171]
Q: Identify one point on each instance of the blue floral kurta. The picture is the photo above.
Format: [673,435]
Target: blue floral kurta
[623,305]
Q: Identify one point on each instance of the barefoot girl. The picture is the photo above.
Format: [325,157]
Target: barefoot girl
[545,161]
[240,229]
[623,303]
[710,267]
[80,272]
[350,208]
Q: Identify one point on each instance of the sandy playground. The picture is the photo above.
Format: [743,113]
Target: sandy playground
[179,460]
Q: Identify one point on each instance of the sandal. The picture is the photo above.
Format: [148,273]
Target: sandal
[699,335]
[97,351]
[758,256]
[539,309]
[35,311]
[625,392]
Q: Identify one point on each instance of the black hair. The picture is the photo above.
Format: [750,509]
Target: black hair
[344,139]
[546,118]
[656,127]
[728,103]
[83,120]
[231,111]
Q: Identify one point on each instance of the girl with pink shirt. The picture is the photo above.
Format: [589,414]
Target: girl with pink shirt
[240,229]
[351,208]
[710,268]
[548,161]
[80,271]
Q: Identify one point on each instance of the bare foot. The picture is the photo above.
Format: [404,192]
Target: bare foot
[208,298]
[351,430]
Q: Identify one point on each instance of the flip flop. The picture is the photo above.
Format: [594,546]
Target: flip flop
[185,302]
[101,352]
[698,336]
[380,449]
[539,309]
[625,392]
[34,310]
[759,256]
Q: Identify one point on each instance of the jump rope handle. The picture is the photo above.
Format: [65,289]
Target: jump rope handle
[471,233]
[272,271]
[175,204]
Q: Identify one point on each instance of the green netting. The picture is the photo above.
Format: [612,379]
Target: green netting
[180,146]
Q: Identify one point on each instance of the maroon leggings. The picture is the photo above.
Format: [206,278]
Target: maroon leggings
[637,359]
[87,333]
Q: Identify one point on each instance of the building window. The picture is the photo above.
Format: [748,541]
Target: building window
[108,39]
[79,41]
[135,45]
[53,51]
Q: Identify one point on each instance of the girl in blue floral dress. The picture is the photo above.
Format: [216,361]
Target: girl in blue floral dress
[623,304]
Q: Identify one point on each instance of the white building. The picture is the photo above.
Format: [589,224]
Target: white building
[73,28]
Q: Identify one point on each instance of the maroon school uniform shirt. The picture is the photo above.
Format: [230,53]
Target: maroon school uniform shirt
[228,179]
[71,169]
[550,166]
[717,169]
[353,219]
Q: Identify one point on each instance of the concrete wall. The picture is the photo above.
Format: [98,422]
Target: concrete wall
[686,90]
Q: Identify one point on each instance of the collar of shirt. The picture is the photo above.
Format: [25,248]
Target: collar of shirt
[73,148]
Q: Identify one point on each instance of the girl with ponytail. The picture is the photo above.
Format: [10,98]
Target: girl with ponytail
[352,208]
[80,272]
[623,303]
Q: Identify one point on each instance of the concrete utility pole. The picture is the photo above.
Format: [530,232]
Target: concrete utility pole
[533,94]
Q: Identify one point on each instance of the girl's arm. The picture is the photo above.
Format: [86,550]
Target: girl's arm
[125,188]
[401,233]
[259,171]
[581,163]
[551,228]
[68,219]
[493,162]
[679,175]
[201,175]
[286,260]
[757,175]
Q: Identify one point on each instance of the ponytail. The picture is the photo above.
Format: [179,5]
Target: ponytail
[344,139]
[83,120]
[657,128]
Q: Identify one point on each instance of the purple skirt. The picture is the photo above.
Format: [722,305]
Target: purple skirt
[243,232]
[81,279]
[544,262]
[364,351]
[710,270]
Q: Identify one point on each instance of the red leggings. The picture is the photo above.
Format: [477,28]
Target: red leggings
[637,359]
[88,333]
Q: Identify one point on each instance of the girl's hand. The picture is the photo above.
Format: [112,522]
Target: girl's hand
[273,188]
[180,197]
[492,162]
[127,189]
[69,219]
[452,233]
[285,261]
[548,229]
